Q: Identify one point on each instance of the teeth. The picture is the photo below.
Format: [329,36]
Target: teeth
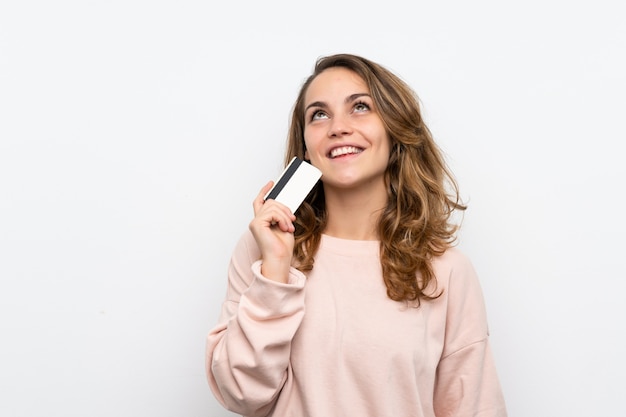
[344,150]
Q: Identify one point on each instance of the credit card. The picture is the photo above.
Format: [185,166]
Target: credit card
[294,184]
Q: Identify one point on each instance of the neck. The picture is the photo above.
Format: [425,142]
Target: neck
[353,213]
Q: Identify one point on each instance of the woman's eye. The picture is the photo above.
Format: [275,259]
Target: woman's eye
[361,107]
[318,115]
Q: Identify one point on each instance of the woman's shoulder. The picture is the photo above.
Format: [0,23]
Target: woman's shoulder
[453,257]
[454,268]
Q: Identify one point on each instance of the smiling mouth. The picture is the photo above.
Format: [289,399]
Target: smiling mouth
[344,150]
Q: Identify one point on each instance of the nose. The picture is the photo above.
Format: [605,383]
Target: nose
[339,127]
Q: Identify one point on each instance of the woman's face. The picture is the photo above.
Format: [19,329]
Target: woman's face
[343,132]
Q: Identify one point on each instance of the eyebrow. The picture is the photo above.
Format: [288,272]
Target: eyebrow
[348,99]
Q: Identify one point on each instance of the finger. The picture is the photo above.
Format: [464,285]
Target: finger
[285,224]
[272,214]
[276,214]
[260,198]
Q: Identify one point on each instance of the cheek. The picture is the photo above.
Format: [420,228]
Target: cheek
[313,143]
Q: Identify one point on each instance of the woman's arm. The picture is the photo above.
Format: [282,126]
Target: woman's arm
[248,352]
[467,383]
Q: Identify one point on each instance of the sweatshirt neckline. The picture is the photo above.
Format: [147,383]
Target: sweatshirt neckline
[350,247]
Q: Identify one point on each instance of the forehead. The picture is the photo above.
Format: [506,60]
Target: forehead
[335,81]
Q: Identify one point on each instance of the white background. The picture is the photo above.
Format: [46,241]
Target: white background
[135,134]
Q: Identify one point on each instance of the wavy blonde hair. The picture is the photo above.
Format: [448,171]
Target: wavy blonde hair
[422,194]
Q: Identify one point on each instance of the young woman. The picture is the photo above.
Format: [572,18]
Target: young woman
[359,304]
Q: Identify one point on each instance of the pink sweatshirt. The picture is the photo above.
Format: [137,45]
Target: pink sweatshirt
[333,344]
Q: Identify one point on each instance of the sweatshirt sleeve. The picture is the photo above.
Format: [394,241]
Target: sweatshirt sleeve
[248,351]
[467,383]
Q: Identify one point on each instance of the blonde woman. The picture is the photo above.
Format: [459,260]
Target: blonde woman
[358,304]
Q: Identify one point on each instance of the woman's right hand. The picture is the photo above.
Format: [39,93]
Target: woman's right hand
[272,228]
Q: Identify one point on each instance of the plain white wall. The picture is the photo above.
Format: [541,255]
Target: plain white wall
[135,134]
